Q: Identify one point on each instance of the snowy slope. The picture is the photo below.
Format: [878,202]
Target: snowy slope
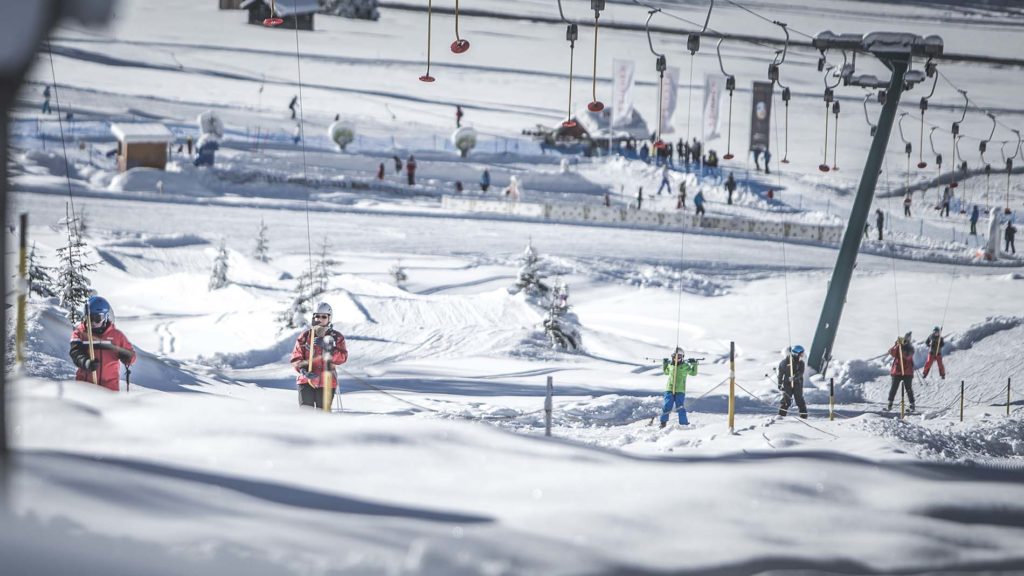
[438,463]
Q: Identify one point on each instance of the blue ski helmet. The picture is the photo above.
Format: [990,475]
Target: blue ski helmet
[798,349]
[99,311]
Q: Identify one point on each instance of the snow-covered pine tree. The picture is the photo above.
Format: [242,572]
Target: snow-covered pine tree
[219,276]
[73,286]
[39,280]
[300,309]
[324,268]
[529,278]
[398,274]
[262,249]
[560,325]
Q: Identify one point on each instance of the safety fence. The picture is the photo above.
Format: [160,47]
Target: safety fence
[628,217]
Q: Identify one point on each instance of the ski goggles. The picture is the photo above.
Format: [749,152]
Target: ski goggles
[321,316]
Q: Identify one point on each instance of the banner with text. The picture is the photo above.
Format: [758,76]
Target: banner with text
[714,93]
[622,92]
[760,116]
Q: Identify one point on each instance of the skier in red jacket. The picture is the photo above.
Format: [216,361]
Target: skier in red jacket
[902,371]
[313,376]
[108,346]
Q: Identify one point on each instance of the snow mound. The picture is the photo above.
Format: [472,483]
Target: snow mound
[160,241]
[1003,438]
[177,180]
[44,162]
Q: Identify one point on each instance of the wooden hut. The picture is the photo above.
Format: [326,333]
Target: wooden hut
[295,13]
[143,144]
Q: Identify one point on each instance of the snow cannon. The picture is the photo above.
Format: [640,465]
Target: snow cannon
[341,133]
[464,140]
[210,125]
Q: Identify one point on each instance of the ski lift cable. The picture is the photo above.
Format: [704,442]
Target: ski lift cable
[679,296]
[704,28]
[968,102]
[73,221]
[571,35]
[765,18]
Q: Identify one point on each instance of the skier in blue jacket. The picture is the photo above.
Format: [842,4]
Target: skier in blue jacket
[677,370]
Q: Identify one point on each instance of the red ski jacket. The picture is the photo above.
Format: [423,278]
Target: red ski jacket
[300,358]
[107,372]
[902,360]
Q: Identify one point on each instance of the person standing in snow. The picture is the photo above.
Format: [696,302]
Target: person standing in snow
[677,370]
[1008,235]
[485,180]
[291,105]
[947,198]
[398,164]
[46,100]
[879,222]
[640,198]
[974,220]
[730,187]
[665,182]
[767,159]
[698,201]
[458,116]
[757,159]
[791,381]
[325,343]
[380,171]
[410,168]
[934,343]
[681,203]
[908,198]
[108,346]
[902,371]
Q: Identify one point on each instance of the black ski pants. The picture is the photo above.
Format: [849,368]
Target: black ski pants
[908,385]
[313,397]
[790,392]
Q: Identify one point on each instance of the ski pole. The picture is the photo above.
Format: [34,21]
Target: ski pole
[127,378]
[92,349]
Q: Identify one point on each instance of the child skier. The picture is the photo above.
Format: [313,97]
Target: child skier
[675,388]
[791,381]
[312,375]
[97,346]
[902,371]
[934,343]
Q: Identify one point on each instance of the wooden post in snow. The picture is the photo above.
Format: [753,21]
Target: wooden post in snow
[732,387]
[547,406]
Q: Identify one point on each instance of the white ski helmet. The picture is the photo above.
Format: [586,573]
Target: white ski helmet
[324,308]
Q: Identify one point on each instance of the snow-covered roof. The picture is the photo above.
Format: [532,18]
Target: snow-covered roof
[288,7]
[596,124]
[142,132]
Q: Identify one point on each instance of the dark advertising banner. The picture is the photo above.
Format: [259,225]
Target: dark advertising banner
[760,116]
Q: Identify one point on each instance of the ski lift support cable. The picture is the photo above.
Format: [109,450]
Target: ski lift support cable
[572,33]
[929,68]
[595,104]
[460,45]
[730,85]
[774,73]
[660,65]
[426,77]
[908,148]
[955,129]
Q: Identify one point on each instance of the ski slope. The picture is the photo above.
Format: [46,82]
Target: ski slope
[437,462]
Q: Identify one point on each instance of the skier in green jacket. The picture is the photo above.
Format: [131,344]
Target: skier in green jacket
[677,370]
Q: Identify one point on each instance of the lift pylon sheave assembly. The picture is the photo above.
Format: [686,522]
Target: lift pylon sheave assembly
[896,51]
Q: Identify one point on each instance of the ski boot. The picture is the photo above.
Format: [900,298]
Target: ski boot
[661,425]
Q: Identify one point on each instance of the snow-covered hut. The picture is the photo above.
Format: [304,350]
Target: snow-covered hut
[293,12]
[592,133]
[230,4]
[143,144]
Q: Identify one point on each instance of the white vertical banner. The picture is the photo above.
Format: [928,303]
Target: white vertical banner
[714,92]
[622,92]
[669,89]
